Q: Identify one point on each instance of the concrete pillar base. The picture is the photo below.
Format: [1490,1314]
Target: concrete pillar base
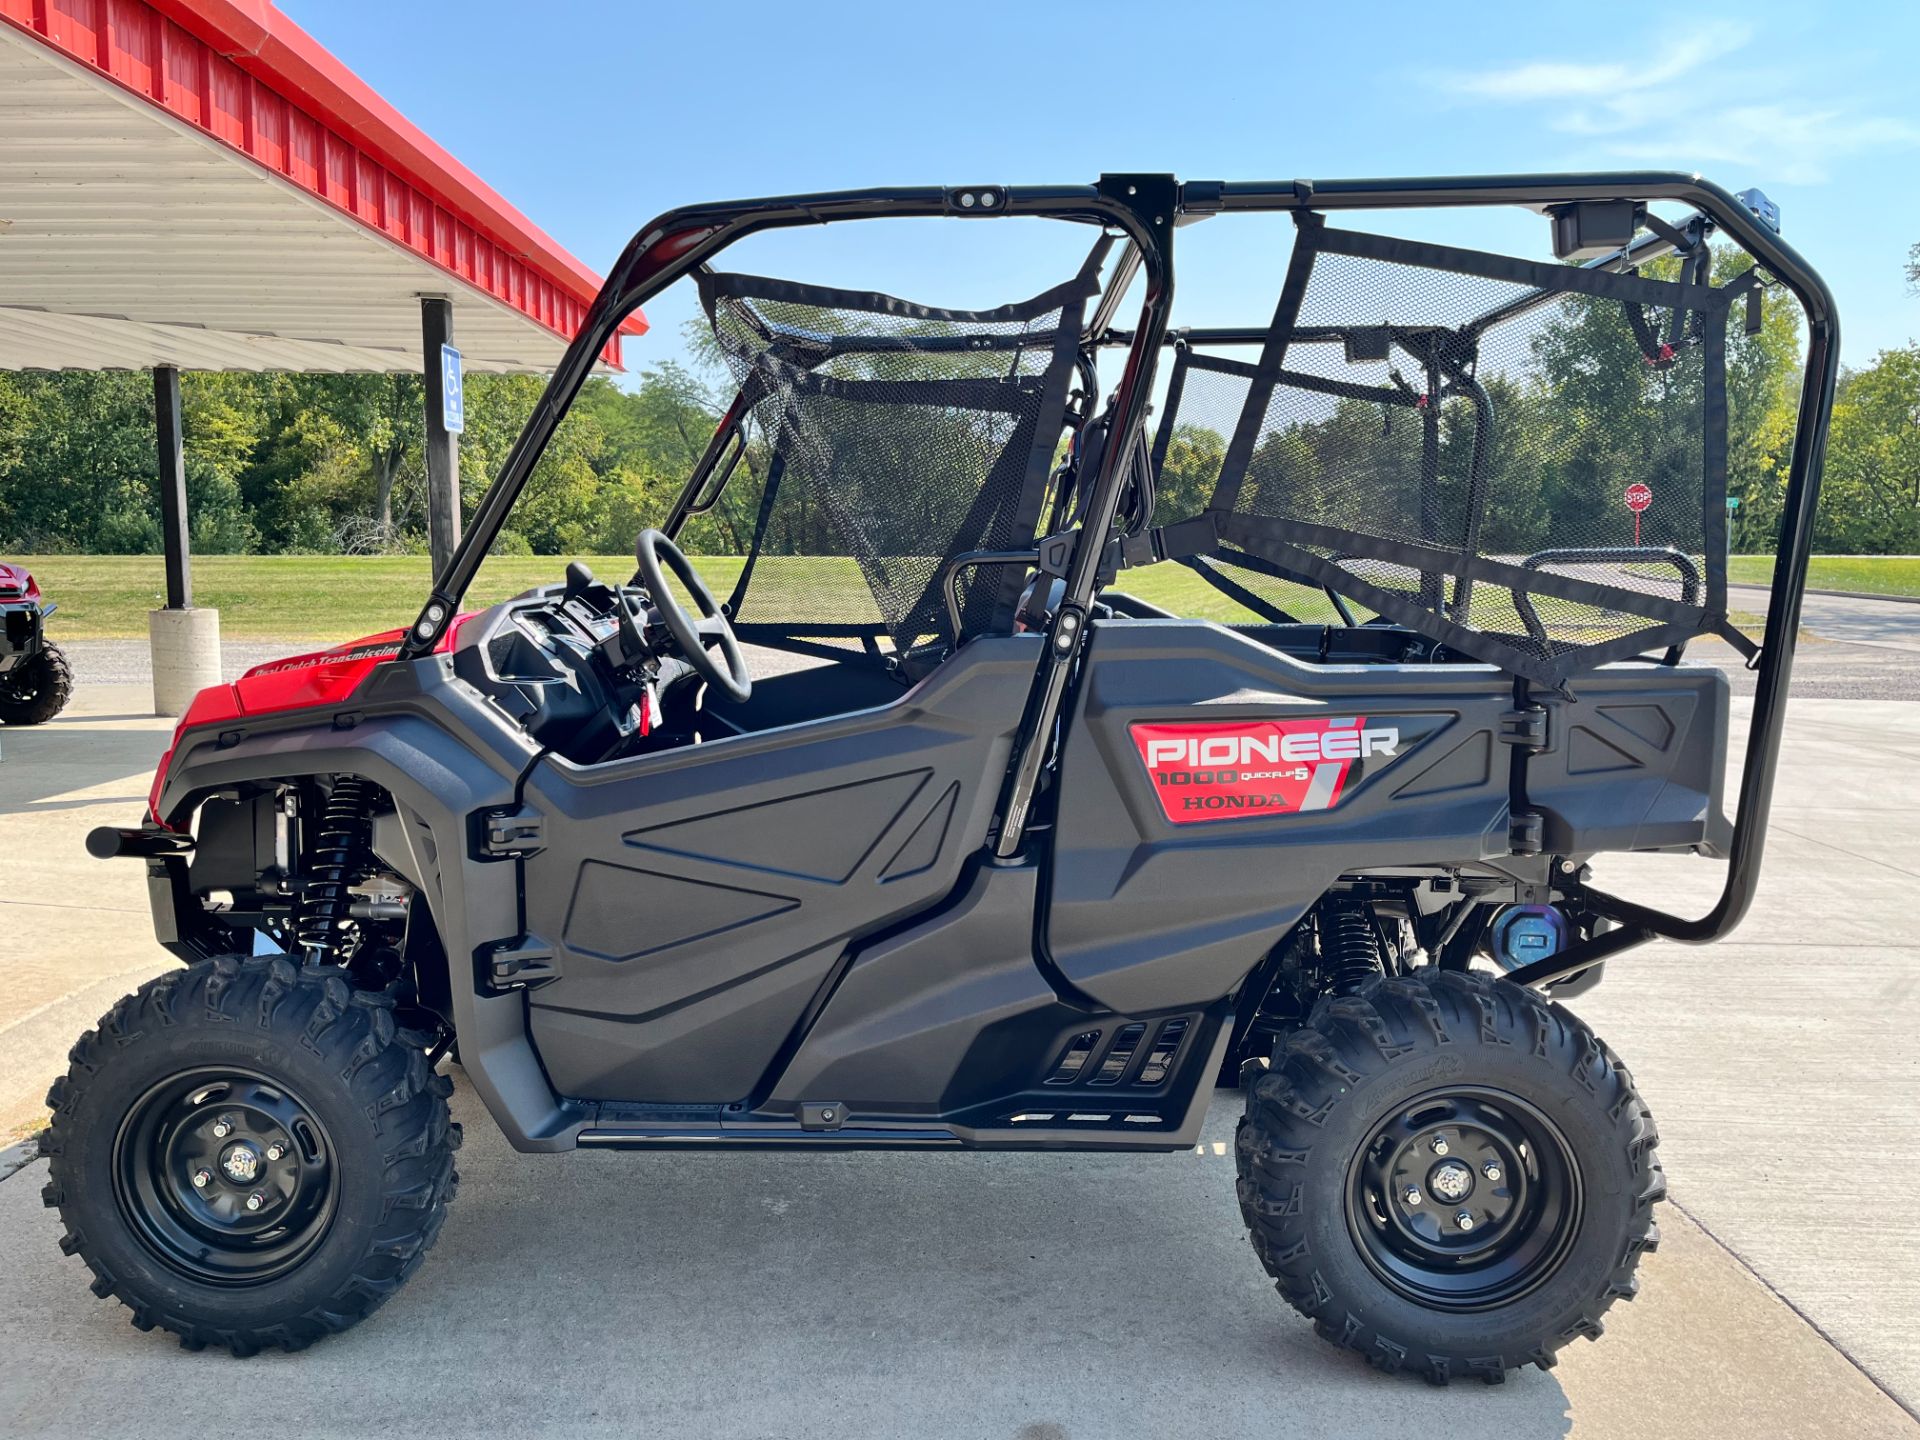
[186,656]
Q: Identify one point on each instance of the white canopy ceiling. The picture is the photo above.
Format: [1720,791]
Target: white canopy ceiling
[129,239]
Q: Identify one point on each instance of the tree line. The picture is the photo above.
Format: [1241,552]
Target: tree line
[297,463]
[283,463]
[1572,412]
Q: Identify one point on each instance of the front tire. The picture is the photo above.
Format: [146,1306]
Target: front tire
[1449,1174]
[35,691]
[249,1154]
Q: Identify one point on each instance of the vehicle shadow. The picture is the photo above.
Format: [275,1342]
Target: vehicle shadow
[76,760]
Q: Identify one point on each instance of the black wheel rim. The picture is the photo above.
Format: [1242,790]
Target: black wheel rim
[1464,1199]
[226,1176]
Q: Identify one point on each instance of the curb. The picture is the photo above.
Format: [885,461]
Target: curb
[1836,594]
[1806,1319]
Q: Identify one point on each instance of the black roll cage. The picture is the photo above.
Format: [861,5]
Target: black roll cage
[1144,211]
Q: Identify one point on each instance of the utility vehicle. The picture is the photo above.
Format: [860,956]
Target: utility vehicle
[35,680]
[1018,859]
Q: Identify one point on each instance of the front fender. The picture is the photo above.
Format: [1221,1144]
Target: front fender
[440,770]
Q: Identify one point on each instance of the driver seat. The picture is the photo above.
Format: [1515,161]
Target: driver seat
[812,690]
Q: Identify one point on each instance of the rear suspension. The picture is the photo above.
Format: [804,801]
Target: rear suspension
[1350,948]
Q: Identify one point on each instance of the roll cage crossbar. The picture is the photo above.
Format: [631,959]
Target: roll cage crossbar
[1145,211]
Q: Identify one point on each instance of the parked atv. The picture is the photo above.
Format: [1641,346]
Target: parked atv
[35,680]
[1019,860]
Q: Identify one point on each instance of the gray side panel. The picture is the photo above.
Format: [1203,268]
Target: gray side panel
[951,1016]
[725,1034]
[912,1008]
[1637,761]
[696,899]
[1145,914]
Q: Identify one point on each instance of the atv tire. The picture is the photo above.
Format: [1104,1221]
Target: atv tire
[35,691]
[249,1154]
[1375,1132]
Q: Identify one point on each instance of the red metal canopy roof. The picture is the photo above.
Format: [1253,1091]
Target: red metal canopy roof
[244,75]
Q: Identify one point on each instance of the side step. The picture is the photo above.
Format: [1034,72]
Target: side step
[748,1135]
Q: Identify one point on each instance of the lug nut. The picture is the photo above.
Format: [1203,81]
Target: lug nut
[1490,1170]
[202,1179]
[256,1200]
[223,1127]
[1464,1219]
[1439,1144]
[1412,1196]
[276,1150]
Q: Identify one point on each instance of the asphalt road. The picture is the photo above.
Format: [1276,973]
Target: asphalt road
[127,662]
[1848,648]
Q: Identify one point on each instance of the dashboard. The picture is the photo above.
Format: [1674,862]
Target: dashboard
[583,667]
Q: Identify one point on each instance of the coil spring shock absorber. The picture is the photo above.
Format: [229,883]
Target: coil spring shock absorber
[1349,945]
[339,847]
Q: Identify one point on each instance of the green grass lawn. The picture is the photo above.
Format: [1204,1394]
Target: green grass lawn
[335,598]
[285,597]
[327,597]
[1870,574]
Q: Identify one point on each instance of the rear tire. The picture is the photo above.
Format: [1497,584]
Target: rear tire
[34,692]
[249,1154]
[1377,1129]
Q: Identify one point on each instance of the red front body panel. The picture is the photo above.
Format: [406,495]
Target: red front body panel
[317,680]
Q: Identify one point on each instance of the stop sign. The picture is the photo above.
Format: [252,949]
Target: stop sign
[1639,497]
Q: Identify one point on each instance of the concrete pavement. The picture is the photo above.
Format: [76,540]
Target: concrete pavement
[75,933]
[1783,1064]
[1036,1297]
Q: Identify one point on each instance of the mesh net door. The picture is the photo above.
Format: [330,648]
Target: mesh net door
[1524,461]
[897,437]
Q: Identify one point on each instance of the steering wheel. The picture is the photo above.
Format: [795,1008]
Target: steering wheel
[651,548]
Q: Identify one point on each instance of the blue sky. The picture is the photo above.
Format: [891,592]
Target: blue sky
[592,117]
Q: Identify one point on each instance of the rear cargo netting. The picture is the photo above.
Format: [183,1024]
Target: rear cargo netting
[1446,437]
[897,437]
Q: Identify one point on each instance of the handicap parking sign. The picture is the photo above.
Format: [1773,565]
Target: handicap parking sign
[453,412]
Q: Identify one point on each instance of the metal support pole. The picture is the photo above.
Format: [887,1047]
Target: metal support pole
[173,487]
[443,446]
